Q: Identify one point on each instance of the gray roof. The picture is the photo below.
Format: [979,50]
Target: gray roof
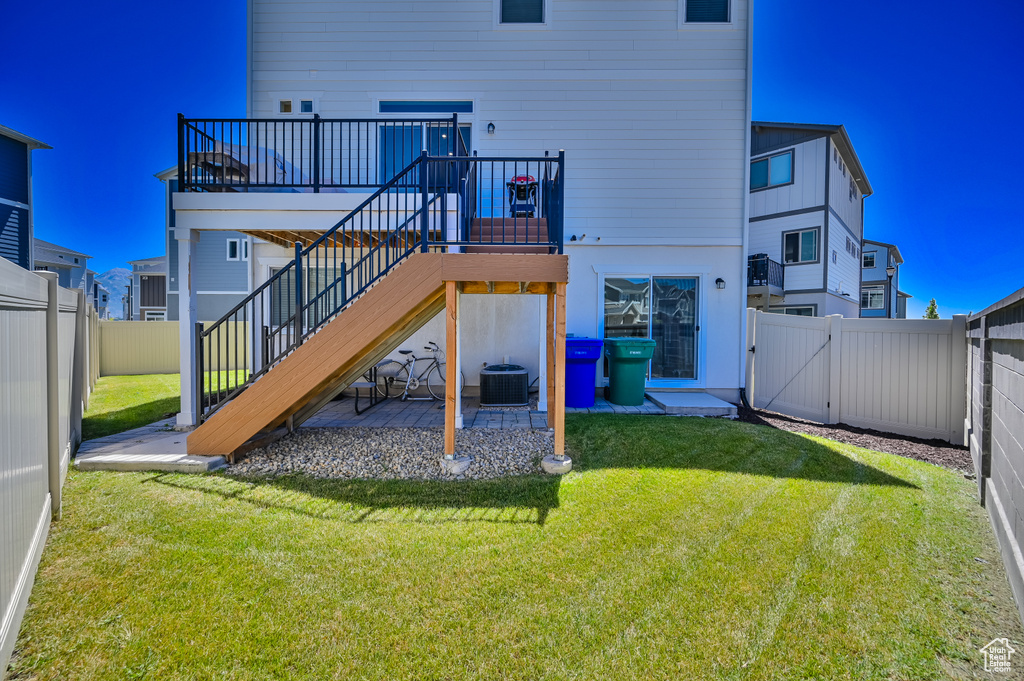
[893,248]
[842,141]
[62,249]
[21,137]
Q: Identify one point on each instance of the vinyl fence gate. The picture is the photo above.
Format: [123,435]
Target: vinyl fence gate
[903,376]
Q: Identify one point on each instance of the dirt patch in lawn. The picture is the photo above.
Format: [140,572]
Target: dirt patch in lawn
[933,451]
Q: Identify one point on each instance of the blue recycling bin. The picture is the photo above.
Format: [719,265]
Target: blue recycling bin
[581,356]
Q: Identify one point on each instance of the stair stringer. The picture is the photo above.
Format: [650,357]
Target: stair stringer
[331,359]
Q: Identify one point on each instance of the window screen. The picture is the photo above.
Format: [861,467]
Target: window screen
[707,11]
[522,11]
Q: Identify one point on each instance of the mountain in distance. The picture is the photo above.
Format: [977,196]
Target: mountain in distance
[116,282]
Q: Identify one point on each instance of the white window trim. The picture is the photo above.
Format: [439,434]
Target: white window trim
[154,316]
[706,26]
[244,245]
[227,250]
[498,26]
[704,279]
[874,261]
[880,289]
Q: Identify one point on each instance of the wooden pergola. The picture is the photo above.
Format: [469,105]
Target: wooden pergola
[516,274]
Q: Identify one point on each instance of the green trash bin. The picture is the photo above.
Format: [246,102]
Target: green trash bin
[627,369]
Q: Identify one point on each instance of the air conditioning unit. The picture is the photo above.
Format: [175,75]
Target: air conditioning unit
[504,385]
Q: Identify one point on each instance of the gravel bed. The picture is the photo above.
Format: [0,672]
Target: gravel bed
[932,451]
[398,453]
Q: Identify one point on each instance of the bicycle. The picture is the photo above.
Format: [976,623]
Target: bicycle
[392,373]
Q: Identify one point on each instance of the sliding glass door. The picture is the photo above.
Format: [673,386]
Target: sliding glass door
[662,308]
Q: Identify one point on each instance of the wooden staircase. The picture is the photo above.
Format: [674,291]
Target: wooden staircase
[522,231]
[331,359]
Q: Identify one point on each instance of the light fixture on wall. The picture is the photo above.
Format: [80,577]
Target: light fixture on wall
[719,283]
[490,128]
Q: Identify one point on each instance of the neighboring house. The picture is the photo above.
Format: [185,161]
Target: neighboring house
[880,294]
[16,231]
[651,108]
[223,272]
[101,301]
[806,225]
[72,267]
[148,293]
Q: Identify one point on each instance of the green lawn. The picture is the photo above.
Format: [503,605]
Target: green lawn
[120,403]
[677,549]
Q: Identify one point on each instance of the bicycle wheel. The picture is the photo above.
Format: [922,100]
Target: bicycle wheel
[436,381]
[391,378]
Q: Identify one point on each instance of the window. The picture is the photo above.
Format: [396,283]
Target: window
[245,249]
[76,261]
[522,11]
[853,189]
[852,248]
[425,106]
[773,171]
[155,315]
[800,247]
[800,311]
[233,249]
[661,308]
[872,297]
[835,257]
[305,106]
[284,106]
[706,11]
[868,260]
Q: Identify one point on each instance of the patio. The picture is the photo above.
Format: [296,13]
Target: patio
[394,413]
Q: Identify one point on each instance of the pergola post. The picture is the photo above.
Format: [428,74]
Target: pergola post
[549,342]
[450,463]
[558,462]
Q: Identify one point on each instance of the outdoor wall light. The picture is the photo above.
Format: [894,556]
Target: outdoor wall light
[719,283]
[490,128]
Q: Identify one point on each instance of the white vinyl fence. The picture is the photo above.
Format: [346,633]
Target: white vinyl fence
[47,337]
[902,376]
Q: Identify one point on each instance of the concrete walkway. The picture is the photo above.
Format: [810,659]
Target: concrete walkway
[155,447]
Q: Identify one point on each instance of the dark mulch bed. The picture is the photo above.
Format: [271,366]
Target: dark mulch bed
[933,451]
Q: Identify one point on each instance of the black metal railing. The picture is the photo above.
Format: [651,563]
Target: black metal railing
[446,204]
[305,155]
[763,271]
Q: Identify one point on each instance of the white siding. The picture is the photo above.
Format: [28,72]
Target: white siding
[808,188]
[844,273]
[766,237]
[652,117]
[839,183]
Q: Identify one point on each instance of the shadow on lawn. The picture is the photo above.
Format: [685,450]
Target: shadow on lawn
[526,499]
[135,416]
[617,441]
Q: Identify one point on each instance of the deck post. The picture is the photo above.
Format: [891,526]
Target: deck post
[187,241]
[550,360]
[559,463]
[450,463]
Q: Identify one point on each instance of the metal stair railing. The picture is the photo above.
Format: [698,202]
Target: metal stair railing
[411,212]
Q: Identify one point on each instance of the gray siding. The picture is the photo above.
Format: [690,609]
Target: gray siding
[14,236]
[13,170]
[996,419]
[214,272]
[766,139]
[210,308]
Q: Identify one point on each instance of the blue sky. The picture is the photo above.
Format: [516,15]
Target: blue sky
[929,97]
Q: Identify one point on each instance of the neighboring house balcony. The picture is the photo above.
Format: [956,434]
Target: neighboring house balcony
[766,281]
